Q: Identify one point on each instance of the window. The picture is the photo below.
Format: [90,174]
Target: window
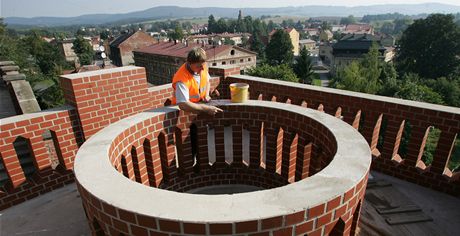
[232,52]
[241,60]
[232,62]
[249,59]
[214,64]
[223,63]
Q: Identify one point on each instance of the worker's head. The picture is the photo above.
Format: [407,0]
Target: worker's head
[196,59]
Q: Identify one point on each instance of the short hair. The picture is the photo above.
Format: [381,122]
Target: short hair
[196,55]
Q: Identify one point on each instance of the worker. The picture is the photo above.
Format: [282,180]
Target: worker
[191,84]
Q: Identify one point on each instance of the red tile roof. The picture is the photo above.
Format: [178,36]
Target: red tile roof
[358,27]
[181,51]
[288,30]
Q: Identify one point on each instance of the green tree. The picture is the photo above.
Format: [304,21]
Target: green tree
[449,89]
[348,20]
[400,25]
[279,49]
[430,47]
[83,50]
[212,24]
[240,25]
[279,72]
[178,33]
[361,76]
[303,67]
[410,88]
[258,47]
[221,26]
[387,28]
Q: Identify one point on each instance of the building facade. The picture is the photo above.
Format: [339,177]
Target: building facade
[162,60]
[295,38]
[353,47]
[121,49]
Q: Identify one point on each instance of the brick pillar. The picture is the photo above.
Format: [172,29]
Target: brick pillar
[106,96]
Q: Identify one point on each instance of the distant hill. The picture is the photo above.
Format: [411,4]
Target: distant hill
[165,12]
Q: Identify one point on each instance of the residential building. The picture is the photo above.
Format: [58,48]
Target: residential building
[326,36]
[295,37]
[353,47]
[358,29]
[162,60]
[307,43]
[210,38]
[121,49]
[65,47]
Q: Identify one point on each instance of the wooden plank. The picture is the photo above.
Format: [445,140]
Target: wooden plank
[400,209]
[377,184]
[407,219]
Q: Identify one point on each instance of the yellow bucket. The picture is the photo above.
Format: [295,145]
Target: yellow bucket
[239,92]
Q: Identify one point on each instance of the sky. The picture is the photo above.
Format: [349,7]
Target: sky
[68,8]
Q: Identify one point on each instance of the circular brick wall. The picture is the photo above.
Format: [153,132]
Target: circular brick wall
[313,166]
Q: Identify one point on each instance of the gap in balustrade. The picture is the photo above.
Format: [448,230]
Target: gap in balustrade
[454,162]
[228,143]
[3,175]
[24,154]
[211,145]
[405,138]
[50,140]
[430,145]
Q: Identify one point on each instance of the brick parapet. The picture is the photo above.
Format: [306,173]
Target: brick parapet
[332,211]
[367,112]
[63,125]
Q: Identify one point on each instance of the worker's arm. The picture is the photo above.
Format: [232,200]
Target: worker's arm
[199,108]
[207,98]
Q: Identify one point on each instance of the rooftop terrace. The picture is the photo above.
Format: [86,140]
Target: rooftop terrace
[290,143]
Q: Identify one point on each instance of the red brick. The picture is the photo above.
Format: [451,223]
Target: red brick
[190,228]
[272,223]
[146,221]
[127,216]
[316,211]
[283,232]
[295,218]
[170,226]
[246,227]
[340,211]
[332,204]
[139,231]
[323,220]
[221,228]
[304,227]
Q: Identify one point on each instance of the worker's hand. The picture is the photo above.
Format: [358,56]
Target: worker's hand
[207,98]
[212,110]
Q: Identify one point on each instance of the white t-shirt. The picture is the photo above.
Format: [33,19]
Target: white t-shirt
[182,93]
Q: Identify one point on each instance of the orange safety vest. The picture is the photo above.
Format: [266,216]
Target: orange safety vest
[183,75]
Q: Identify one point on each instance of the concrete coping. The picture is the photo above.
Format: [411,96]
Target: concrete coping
[14,77]
[9,68]
[7,63]
[95,173]
[100,72]
[399,101]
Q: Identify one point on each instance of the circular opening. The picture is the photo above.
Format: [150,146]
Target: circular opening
[240,150]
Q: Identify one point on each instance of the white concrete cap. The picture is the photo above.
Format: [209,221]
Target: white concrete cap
[95,173]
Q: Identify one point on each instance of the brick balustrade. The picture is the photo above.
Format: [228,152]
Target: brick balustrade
[97,99]
[314,166]
[367,113]
[62,123]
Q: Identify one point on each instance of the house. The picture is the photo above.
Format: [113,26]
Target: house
[358,29]
[326,36]
[312,32]
[121,49]
[295,37]
[307,43]
[353,47]
[162,60]
[65,48]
